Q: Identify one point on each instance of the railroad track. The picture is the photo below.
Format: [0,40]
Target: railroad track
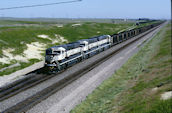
[35,78]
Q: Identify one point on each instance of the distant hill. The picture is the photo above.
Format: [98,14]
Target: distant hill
[69,20]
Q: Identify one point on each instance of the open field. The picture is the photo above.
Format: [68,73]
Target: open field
[25,45]
[142,85]
[63,20]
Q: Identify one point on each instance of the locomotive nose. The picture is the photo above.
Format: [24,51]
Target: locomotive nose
[48,59]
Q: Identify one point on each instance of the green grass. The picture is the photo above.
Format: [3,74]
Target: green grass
[14,35]
[22,65]
[129,90]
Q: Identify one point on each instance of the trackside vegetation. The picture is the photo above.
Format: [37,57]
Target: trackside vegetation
[137,87]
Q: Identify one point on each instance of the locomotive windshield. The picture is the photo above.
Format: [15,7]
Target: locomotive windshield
[57,52]
[51,52]
[82,45]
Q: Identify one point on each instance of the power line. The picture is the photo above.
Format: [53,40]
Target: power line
[39,5]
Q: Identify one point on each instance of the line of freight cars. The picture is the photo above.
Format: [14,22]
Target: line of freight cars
[59,57]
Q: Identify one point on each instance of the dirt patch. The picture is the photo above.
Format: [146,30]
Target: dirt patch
[74,25]
[58,38]
[166,95]
[60,25]
[155,89]
[33,50]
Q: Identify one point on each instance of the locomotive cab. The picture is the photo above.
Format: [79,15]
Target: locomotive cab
[83,45]
[54,55]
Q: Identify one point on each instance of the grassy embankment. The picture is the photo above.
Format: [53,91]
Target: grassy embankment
[137,86]
[17,37]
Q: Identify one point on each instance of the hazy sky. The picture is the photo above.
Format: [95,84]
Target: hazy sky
[158,9]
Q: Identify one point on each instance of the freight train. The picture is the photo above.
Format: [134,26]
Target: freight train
[60,57]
